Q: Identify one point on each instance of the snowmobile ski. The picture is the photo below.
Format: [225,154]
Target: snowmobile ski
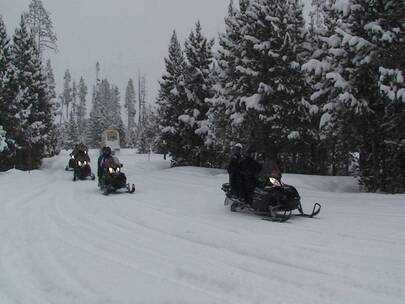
[315,210]
[130,188]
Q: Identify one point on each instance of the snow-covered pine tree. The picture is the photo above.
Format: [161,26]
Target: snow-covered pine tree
[222,133]
[317,14]
[72,136]
[130,106]
[50,79]
[114,111]
[66,96]
[6,94]
[105,113]
[54,138]
[171,101]
[99,113]
[141,101]
[38,18]
[74,101]
[95,125]
[373,36]
[71,128]
[148,138]
[326,59]
[321,140]
[272,104]
[198,87]
[3,140]
[30,107]
[81,108]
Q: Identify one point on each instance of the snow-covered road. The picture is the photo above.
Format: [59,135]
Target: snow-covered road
[174,242]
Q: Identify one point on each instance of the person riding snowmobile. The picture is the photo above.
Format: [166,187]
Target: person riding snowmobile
[78,148]
[263,192]
[249,170]
[111,178]
[104,160]
[105,154]
[233,169]
[82,168]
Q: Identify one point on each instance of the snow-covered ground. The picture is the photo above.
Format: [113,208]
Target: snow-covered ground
[174,242]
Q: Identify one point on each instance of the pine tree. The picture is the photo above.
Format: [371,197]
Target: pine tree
[148,139]
[325,60]
[81,108]
[74,100]
[224,121]
[141,101]
[38,18]
[95,125]
[30,107]
[54,137]
[372,35]
[115,111]
[105,113]
[130,106]
[317,14]
[170,102]
[271,85]
[6,94]
[3,140]
[66,96]
[72,136]
[198,87]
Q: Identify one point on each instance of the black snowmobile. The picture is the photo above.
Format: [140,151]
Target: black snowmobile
[272,199]
[79,148]
[114,179]
[82,169]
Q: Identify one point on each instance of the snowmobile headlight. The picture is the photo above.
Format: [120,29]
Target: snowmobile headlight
[73,157]
[85,163]
[111,170]
[118,169]
[274,181]
[80,163]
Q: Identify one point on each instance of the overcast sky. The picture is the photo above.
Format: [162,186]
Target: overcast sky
[123,35]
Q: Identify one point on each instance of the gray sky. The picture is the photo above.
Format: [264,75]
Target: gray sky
[123,35]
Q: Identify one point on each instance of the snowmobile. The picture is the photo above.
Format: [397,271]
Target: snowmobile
[274,200]
[80,148]
[82,169]
[114,179]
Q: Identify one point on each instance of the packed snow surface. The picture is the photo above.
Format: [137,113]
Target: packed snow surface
[174,242]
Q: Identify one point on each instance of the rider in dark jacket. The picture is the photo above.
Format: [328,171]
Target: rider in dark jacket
[250,170]
[105,154]
[235,178]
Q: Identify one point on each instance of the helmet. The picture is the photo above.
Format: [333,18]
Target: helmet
[107,150]
[238,145]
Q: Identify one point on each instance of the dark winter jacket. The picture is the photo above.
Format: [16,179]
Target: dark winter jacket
[100,161]
[234,164]
[234,174]
[250,170]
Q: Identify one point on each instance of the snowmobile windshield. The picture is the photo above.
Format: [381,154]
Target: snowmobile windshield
[275,182]
[113,170]
[112,164]
[82,156]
